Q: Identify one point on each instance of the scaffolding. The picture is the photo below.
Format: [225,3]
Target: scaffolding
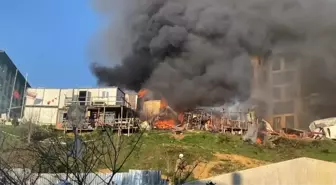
[226,121]
[102,112]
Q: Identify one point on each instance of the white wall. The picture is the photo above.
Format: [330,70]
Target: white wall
[301,171]
[41,115]
[43,96]
[132,99]
[65,93]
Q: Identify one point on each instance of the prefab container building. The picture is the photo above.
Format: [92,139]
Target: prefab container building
[48,106]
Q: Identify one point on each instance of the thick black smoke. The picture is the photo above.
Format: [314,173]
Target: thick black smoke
[196,52]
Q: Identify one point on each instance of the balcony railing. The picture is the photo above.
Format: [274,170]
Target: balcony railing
[98,101]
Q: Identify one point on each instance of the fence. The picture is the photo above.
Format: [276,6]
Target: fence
[133,177]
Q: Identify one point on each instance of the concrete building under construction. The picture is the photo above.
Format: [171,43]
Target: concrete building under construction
[292,90]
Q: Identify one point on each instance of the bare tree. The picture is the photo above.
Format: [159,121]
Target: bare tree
[17,165]
[59,155]
[77,158]
[115,148]
[108,149]
[29,123]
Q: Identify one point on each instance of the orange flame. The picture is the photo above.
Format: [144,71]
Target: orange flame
[165,124]
[142,93]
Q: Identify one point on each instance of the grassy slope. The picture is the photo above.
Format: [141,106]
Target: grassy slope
[159,150]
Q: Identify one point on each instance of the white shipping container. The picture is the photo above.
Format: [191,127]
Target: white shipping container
[44,107]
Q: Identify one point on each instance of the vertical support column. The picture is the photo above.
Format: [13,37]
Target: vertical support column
[24,97]
[122,112]
[11,99]
[104,114]
[128,124]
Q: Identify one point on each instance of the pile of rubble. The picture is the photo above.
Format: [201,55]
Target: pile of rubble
[261,131]
[228,121]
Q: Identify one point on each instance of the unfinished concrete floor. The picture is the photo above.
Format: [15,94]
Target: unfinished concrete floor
[300,171]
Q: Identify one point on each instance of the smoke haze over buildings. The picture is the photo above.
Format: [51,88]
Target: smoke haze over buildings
[196,52]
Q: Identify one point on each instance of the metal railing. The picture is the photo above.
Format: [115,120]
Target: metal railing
[98,101]
[122,123]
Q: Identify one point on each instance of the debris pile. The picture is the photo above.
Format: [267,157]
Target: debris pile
[252,127]
[323,128]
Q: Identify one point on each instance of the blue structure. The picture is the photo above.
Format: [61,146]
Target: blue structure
[8,71]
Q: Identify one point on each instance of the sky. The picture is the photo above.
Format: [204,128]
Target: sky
[49,40]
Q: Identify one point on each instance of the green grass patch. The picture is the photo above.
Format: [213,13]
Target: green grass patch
[159,150]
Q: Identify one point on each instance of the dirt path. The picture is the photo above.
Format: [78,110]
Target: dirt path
[225,163]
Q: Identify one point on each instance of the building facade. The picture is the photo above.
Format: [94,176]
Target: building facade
[48,106]
[293,90]
[8,73]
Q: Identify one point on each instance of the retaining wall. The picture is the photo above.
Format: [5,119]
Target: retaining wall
[300,171]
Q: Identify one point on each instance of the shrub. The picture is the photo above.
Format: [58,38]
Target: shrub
[37,133]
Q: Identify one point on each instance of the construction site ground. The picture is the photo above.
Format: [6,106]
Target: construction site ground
[217,153]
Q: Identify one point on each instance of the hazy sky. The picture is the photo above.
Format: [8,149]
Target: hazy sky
[48,39]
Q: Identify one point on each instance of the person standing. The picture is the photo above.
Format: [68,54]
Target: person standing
[179,169]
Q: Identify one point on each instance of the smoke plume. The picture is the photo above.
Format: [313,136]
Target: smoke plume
[197,52]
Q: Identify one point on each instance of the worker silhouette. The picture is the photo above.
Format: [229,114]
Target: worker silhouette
[180,169]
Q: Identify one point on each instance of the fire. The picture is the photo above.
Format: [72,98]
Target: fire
[142,93]
[165,124]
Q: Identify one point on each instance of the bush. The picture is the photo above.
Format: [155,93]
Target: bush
[291,143]
[224,139]
[37,133]
[15,122]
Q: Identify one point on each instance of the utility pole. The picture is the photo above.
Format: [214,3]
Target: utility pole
[11,99]
[24,96]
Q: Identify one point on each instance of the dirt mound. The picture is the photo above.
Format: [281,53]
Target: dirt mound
[177,136]
[225,163]
[246,161]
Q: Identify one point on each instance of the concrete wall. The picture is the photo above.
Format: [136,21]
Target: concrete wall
[301,171]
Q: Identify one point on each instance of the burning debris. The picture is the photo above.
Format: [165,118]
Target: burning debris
[158,114]
[227,119]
